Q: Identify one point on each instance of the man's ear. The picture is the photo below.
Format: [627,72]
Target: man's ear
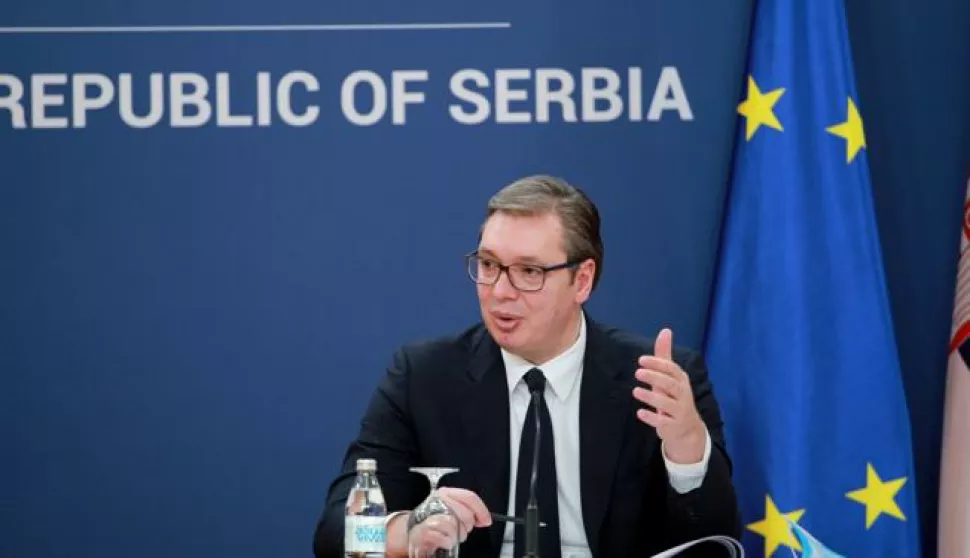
[584,280]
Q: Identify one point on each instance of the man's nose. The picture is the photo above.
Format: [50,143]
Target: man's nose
[503,287]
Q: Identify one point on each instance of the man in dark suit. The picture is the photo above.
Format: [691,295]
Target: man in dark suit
[632,454]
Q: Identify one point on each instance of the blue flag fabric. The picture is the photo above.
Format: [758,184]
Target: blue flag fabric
[800,342]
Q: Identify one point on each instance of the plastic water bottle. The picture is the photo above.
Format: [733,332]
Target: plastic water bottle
[364,530]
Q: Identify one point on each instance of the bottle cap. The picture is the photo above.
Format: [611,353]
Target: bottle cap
[367,465]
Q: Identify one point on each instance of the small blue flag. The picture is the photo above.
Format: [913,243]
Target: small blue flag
[811,547]
[800,342]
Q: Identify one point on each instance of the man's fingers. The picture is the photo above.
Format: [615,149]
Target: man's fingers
[432,536]
[664,345]
[662,402]
[436,541]
[668,367]
[465,516]
[653,419]
[660,381]
[482,517]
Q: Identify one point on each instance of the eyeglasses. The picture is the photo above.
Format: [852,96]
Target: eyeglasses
[524,277]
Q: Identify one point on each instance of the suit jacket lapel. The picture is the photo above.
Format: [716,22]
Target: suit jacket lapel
[604,410]
[485,415]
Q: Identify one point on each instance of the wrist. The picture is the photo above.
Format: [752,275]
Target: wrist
[397,535]
[688,449]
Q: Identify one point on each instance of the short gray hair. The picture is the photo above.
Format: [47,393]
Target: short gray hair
[540,194]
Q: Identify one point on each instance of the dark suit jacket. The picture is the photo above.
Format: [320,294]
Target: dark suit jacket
[445,402]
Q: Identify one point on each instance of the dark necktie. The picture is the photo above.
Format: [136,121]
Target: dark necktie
[547,497]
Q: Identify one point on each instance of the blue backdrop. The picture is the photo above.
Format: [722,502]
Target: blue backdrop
[192,317]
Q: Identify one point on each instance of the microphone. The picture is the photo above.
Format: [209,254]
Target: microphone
[532,508]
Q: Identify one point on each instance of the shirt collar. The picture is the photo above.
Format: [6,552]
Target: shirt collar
[560,372]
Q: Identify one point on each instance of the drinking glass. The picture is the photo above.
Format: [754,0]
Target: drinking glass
[433,528]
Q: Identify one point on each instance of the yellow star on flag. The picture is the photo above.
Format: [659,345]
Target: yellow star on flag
[851,131]
[775,529]
[758,109]
[878,496]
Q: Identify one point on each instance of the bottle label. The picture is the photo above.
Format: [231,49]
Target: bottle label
[364,533]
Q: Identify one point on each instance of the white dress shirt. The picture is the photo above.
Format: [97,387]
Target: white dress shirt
[563,379]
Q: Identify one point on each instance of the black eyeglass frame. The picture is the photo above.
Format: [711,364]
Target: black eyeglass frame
[469,257]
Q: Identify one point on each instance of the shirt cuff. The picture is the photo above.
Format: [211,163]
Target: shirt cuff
[686,477]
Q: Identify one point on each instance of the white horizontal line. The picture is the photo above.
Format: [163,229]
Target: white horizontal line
[254,28]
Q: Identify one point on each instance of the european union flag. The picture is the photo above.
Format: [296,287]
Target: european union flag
[800,343]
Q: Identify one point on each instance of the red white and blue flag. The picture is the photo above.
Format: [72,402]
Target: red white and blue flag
[954,519]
